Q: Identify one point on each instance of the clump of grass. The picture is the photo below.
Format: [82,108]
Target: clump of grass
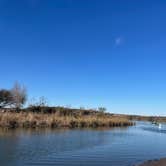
[54,120]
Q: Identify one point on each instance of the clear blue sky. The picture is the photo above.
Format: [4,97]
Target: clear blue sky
[88,53]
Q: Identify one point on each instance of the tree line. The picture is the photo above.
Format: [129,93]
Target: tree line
[16,97]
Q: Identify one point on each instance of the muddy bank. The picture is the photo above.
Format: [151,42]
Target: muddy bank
[161,162]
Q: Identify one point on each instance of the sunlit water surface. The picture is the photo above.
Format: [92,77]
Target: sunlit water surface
[102,147]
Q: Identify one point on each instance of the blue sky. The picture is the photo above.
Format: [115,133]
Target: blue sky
[87,53]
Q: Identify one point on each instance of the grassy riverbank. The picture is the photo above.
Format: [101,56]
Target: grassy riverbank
[59,118]
[159,119]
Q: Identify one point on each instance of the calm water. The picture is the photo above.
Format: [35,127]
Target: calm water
[113,147]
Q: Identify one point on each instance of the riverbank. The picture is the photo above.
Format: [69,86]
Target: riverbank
[61,120]
[161,162]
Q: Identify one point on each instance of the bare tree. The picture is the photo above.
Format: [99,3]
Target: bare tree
[19,95]
[41,102]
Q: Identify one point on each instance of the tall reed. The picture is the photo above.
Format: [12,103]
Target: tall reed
[53,120]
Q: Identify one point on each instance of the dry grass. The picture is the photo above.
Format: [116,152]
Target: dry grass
[33,120]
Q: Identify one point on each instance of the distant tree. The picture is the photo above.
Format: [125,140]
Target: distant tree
[102,109]
[42,102]
[19,95]
[6,98]
[82,108]
[39,105]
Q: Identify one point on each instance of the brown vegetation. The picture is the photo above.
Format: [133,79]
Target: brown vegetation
[158,119]
[69,118]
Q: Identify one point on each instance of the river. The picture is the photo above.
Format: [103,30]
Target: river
[83,147]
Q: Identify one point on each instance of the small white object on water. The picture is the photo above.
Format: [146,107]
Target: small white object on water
[159,125]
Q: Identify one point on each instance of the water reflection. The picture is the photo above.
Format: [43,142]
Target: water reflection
[117,146]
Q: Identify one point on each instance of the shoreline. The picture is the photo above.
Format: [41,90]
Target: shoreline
[160,162]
